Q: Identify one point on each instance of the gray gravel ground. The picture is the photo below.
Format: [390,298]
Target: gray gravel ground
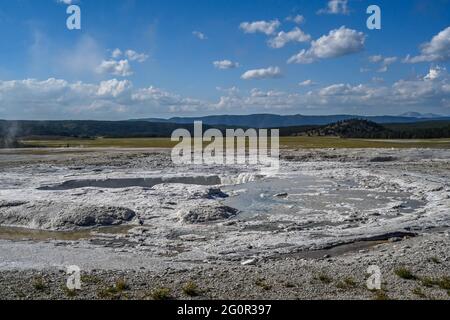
[330,277]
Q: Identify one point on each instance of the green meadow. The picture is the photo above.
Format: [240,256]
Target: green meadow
[285,142]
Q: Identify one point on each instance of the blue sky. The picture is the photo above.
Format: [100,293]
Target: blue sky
[147,58]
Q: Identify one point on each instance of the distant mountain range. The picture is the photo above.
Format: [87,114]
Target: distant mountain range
[421,115]
[279,121]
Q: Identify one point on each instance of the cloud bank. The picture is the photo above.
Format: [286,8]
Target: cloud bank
[119,99]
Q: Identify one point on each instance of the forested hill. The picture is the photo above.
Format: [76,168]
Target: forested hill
[357,128]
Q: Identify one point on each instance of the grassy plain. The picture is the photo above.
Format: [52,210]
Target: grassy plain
[285,142]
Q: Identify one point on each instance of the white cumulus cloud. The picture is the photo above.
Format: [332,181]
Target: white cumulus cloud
[307,83]
[436,73]
[225,64]
[282,38]
[68,2]
[335,7]
[266,27]
[199,35]
[116,53]
[134,56]
[131,55]
[298,19]
[113,87]
[337,43]
[118,68]
[268,73]
[384,62]
[436,50]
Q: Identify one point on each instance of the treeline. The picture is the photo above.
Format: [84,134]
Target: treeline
[363,129]
[435,133]
[85,129]
[422,130]
[11,132]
